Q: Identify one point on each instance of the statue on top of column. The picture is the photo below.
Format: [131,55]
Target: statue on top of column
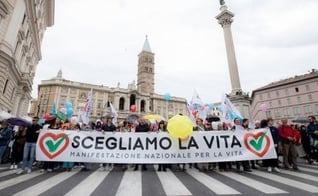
[222,2]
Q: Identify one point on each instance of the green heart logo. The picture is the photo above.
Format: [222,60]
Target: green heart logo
[254,142]
[52,144]
[257,144]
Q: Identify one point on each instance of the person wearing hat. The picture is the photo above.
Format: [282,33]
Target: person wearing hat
[108,126]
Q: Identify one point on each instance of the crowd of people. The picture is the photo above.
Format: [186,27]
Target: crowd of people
[20,144]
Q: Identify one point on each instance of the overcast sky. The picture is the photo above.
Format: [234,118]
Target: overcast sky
[98,41]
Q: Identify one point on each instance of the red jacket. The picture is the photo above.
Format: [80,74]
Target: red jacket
[285,131]
[297,137]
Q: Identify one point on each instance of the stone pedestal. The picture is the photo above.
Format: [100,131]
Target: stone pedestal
[242,103]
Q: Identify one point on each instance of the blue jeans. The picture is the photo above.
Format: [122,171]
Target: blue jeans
[28,152]
[2,151]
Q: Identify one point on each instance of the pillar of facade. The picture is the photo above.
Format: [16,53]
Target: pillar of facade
[17,101]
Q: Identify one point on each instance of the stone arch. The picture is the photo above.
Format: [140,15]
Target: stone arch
[122,103]
[132,100]
[142,105]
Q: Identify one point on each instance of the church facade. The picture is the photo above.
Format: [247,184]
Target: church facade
[140,94]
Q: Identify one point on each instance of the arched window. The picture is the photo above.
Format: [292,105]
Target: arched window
[121,103]
[142,105]
[132,100]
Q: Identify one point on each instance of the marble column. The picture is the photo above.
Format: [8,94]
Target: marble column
[239,99]
[225,20]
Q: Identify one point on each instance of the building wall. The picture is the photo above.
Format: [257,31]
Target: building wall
[296,96]
[22,25]
[58,91]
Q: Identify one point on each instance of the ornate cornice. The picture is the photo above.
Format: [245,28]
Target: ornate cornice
[225,18]
[10,62]
[24,79]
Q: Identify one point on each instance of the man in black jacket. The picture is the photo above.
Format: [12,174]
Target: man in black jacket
[31,136]
[108,127]
[142,127]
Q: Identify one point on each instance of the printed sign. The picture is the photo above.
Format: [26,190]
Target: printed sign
[208,146]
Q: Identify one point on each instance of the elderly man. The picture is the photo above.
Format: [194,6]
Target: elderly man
[288,139]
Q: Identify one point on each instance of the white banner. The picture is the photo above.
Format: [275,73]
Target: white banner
[208,146]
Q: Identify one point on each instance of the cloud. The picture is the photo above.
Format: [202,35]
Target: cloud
[98,43]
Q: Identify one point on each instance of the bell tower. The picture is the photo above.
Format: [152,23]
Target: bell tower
[146,70]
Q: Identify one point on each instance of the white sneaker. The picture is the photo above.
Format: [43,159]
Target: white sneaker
[15,166]
[29,171]
[49,170]
[20,171]
[269,169]
[11,167]
[276,169]
[41,170]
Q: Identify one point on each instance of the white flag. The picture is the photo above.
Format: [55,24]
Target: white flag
[191,115]
[87,108]
[196,99]
[113,113]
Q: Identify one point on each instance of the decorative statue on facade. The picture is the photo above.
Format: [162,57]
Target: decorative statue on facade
[222,2]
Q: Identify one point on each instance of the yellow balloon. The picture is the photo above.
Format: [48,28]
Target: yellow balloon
[153,117]
[180,126]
